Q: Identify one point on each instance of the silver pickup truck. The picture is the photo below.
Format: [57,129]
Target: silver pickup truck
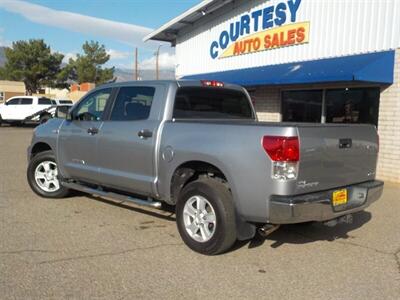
[198,146]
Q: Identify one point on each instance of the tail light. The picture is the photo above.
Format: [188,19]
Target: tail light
[285,155]
[212,83]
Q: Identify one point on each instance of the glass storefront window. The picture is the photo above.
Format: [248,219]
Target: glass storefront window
[358,105]
[347,105]
[302,106]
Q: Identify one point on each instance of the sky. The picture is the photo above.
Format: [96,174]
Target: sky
[118,24]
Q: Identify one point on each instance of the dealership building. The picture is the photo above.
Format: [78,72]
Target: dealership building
[330,61]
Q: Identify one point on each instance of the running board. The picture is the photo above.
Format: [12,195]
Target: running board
[110,195]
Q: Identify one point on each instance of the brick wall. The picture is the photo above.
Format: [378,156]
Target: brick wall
[267,103]
[389,128]
[8,95]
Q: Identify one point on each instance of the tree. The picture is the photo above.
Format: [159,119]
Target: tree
[33,63]
[88,67]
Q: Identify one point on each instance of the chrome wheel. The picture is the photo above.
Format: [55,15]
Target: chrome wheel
[46,176]
[199,219]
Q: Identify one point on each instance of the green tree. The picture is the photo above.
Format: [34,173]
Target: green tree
[88,66]
[33,63]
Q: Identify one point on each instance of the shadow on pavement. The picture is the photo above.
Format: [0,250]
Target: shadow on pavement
[288,234]
[309,232]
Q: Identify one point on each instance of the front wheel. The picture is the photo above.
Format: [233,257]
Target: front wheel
[42,175]
[205,216]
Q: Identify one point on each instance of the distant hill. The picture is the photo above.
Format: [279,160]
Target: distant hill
[121,74]
[127,75]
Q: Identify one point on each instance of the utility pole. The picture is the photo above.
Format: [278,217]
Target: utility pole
[136,65]
[157,63]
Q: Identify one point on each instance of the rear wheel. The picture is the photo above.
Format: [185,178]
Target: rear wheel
[205,216]
[43,178]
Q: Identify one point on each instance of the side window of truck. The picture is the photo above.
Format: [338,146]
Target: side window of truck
[92,107]
[133,103]
[44,101]
[211,103]
[26,101]
[14,101]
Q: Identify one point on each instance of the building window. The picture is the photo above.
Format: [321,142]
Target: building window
[1,96]
[348,105]
[302,106]
[358,105]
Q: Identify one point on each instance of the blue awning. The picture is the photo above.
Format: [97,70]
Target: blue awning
[373,67]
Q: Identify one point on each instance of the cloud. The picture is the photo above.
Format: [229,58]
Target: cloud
[67,56]
[123,32]
[118,55]
[166,62]
[3,41]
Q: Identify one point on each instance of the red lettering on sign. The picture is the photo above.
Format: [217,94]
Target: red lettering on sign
[300,34]
[291,36]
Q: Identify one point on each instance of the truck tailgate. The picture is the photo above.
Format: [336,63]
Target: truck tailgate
[336,155]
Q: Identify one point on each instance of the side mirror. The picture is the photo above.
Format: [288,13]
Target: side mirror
[63,112]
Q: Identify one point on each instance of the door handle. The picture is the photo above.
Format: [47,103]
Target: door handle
[345,143]
[93,131]
[145,134]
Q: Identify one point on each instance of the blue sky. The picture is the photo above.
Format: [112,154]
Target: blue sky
[132,19]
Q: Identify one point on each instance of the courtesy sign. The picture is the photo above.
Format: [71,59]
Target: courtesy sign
[269,28]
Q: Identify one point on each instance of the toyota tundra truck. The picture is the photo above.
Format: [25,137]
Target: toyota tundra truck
[198,146]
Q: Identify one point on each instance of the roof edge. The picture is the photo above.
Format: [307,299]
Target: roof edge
[197,8]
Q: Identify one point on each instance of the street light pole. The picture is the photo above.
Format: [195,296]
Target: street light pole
[157,63]
[136,65]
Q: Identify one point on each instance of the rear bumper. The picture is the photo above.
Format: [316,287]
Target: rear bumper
[318,206]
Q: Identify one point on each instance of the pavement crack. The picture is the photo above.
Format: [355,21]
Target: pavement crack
[363,246]
[107,253]
[27,251]
[397,258]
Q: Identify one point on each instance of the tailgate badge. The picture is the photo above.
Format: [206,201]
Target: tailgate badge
[304,184]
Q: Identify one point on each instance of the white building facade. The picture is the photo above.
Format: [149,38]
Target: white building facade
[333,61]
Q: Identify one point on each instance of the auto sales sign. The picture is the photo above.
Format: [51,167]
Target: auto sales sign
[268,28]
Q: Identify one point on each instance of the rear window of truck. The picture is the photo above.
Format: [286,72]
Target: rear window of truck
[211,103]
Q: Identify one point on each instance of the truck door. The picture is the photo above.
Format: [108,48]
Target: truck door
[10,109]
[77,142]
[127,140]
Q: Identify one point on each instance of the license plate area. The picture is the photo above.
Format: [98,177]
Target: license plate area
[339,198]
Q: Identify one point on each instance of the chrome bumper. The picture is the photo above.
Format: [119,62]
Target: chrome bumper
[318,206]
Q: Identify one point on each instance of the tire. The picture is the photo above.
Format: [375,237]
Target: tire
[218,201]
[1,121]
[44,118]
[36,176]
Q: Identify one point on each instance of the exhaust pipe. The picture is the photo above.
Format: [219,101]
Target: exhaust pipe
[267,229]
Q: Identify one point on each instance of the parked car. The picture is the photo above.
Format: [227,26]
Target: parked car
[197,145]
[17,109]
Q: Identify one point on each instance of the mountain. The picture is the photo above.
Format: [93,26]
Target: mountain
[127,75]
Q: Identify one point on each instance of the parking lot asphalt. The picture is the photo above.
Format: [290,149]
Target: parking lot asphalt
[85,247]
